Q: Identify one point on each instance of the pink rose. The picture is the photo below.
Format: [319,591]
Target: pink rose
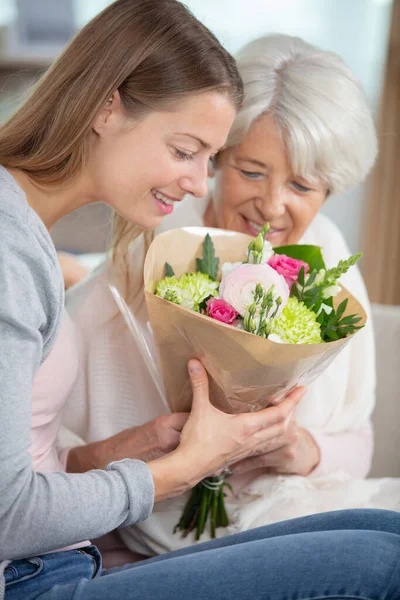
[221,311]
[237,288]
[288,267]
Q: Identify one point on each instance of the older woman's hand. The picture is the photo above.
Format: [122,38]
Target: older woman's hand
[147,442]
[296,453]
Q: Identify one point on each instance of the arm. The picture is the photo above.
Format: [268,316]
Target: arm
[349,451]
[39,511]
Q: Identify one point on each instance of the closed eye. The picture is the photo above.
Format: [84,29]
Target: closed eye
[251,174]
[183,155]
[300,188]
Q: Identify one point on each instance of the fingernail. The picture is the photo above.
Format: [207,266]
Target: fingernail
[194,367]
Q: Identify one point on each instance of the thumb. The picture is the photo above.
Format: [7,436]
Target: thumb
[199,383]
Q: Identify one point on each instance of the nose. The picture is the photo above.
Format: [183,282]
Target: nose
[272,203]
[195,183]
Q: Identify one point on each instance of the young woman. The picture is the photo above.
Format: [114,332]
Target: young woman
[141,88]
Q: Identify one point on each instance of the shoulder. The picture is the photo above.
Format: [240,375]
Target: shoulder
[31,281]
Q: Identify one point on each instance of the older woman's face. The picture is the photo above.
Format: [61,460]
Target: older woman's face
[255,183]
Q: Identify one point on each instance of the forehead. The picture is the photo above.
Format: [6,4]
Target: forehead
[207,116]
[264,138]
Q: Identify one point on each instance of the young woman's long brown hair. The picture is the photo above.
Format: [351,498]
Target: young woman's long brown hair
[154,52]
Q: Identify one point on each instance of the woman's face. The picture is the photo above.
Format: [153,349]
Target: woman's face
[143,168]
[254,183]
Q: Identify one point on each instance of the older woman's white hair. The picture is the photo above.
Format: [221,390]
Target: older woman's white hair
[318,104]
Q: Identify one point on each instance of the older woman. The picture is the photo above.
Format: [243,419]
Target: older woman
[303,134]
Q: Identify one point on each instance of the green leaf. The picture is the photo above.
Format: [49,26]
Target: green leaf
[295,292]
[311,278]
[209,263]
[334,327]
[300,277]
[203,305]
[312,255]
[341,309]
[169,272]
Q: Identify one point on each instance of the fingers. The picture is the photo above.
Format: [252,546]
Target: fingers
[248,464]
[280,458]
[199,383]
[177,420]
[275,415]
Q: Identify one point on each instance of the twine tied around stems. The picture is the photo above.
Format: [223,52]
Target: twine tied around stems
[207,500]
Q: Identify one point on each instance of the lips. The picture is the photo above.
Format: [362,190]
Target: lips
[254,228]
[164,198]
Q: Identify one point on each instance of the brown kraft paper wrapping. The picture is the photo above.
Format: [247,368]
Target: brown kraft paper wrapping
[246,372]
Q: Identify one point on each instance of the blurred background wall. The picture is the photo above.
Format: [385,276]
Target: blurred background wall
[358,30]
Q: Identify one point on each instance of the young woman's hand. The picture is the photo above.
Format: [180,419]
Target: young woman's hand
[147,442]
[212,439]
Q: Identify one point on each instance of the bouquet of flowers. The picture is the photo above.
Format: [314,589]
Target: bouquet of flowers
[261,320]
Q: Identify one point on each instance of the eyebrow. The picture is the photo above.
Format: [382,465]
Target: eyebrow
[201,142]
[258,163]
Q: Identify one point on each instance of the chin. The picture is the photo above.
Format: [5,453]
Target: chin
[146,223]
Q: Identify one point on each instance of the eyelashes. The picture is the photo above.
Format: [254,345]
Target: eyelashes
[183,155]
[300,188]
[251,174]
[255,176]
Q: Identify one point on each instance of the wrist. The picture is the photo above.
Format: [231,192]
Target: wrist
[173,474]
[85,458]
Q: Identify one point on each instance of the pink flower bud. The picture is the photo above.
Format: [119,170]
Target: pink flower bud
[221,311]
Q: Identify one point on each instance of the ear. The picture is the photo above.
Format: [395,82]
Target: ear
[110,116]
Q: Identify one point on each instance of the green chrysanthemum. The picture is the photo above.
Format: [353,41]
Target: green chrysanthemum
[189,290]
[297,324]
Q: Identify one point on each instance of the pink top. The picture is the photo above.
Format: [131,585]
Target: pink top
[51,387]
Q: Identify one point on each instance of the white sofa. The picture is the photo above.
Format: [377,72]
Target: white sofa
[386,417]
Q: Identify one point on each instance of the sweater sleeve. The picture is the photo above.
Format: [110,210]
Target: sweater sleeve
[40,512]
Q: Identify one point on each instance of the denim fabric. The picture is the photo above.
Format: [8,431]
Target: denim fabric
[29,577]
[345,554]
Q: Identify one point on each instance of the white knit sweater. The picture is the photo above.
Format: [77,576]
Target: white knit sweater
[115,391]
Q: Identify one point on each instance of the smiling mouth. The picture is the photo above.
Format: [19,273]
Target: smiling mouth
[167,200]
[256,227]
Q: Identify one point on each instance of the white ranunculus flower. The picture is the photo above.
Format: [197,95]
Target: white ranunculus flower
[238,287]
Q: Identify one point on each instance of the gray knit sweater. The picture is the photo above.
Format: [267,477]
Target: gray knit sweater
[40,512]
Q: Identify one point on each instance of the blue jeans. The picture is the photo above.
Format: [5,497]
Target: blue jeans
[344,554]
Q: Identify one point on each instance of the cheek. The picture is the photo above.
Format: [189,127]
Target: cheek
[303,212]
[230,195]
